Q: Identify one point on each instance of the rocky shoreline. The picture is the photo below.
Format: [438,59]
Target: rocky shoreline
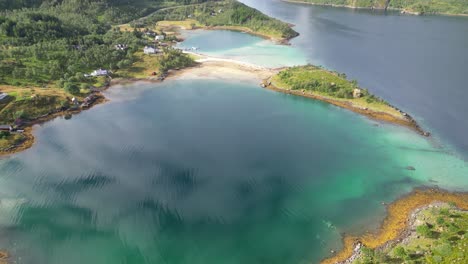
[209,67]
[27,126]
[406,120]
[399,223]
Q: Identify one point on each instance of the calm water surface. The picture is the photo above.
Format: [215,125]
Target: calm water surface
[205,171]
[418,63]
[243,47]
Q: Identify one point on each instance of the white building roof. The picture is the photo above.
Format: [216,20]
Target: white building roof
[99,72]
[150,50]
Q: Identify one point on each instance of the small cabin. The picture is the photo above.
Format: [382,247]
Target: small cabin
[159,38]
[74,101]
[6,128]
[150,50]
[357,93]
[150,33]
[3,96]
[96,73]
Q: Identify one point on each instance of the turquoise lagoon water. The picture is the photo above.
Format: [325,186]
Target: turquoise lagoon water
[209,172]
[206,171]
[242,47]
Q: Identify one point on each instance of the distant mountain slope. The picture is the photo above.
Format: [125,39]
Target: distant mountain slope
[453,7]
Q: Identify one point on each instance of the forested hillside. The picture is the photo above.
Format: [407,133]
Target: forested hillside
[55,42]
[432,6]
[415,6]
[226,13]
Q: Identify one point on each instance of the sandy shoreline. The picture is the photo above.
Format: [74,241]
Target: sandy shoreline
[208,67]
[224,69]
[227,69]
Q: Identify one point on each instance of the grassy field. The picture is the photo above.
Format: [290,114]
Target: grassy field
[30,103]
[143,67]
[184,24]
[321,82]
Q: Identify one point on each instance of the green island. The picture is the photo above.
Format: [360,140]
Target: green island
[57,56]
[334,88]
[417,7]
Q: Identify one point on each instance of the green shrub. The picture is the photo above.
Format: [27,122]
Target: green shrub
[71,88]
[4,134]
[440,220]
[20,114]
[424,230]
[400,252]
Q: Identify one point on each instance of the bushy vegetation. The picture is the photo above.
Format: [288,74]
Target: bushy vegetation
[55,42]
[227,13]
[316,79]
[432,6]
[56,45]
[419,6]
[354,3]
[174,59]
[440,239]
[31,108]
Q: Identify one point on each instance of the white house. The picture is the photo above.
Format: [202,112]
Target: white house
[150,50]
[99,72]
[3,96]
[159,38]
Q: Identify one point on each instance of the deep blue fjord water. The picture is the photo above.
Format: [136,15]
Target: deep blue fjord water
[215,171]
[418,63]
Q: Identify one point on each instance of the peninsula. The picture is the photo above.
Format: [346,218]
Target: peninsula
[333,87]
[415,7]
[427,225]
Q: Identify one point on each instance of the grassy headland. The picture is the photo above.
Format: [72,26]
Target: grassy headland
[419,7]
[427,226]
[332,87]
